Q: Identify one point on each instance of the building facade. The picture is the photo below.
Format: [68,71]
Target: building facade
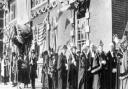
[55,23]
[1,27]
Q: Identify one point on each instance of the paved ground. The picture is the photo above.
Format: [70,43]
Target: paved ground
[9,86]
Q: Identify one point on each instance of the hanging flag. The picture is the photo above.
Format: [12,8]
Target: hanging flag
[64,8]
[59,14]
[67,23]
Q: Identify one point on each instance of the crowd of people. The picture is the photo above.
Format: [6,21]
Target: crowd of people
[90,68]
[23,69]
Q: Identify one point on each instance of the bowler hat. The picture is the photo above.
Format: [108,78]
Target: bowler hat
[33,51]
[64,47]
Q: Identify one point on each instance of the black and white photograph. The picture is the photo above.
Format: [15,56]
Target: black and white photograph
[63,44]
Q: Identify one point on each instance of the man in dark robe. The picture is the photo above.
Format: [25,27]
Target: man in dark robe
[103,70]
[84,70]
[26,70]
[111,72]
[73,69]
[62,75]
[95,68]
[33,68]
[52,71]
[20,70]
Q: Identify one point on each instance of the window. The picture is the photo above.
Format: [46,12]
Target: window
[1,23]
[37,2]
[81,36]
[12,10]
[1,13]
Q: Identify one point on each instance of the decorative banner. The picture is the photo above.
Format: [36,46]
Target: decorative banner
[41,33]
[44,9]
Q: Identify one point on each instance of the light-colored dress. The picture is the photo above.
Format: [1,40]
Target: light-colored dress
[124,70]
[2,68]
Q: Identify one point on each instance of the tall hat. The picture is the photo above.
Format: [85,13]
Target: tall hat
[85,46]
[64,47]
[33,51]
[101,43]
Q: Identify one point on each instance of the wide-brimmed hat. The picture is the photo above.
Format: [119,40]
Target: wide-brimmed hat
[65,47]
[101,43]
[84,47]
[78,51]
[4,52]
[13,53]
[33,51]
[73,47]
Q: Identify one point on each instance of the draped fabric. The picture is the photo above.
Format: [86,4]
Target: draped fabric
[124,70]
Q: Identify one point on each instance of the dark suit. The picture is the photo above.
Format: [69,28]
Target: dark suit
[72,73]
[111,77]
[84,76]
[103,71]
[33,68]
[62,74]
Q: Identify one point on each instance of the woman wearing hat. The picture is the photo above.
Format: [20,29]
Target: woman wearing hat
[5,69]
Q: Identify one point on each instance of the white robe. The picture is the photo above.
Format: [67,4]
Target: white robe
[2,68]
[124,69]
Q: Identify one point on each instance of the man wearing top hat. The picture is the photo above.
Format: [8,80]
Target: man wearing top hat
[33,68]
[112,64]
[103,71]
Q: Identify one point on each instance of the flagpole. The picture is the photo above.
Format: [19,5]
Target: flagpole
[48,30]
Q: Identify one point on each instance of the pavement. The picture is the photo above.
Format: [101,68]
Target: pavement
[9,86]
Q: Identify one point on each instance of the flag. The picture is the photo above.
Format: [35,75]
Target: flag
[101,43]
[59,15]
[67,23]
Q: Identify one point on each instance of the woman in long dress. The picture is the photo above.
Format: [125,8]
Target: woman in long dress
[5,69]
[124,65]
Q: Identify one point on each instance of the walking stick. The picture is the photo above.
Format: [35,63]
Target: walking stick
[117,74]
[17,74]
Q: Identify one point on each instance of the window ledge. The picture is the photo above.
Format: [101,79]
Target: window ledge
[37,6]
[12,21]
